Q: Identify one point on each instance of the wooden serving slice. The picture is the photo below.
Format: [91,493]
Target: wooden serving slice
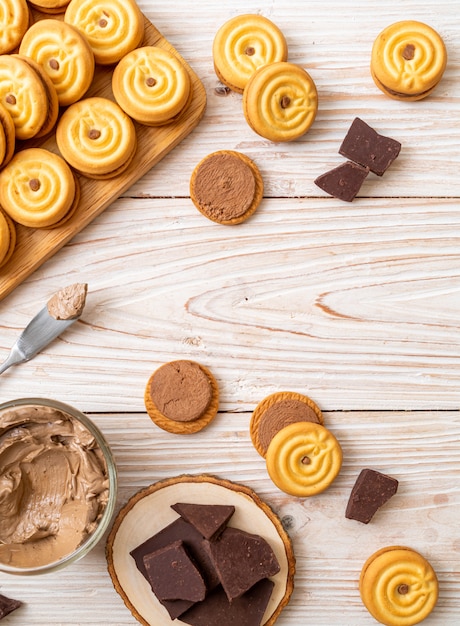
[149,511]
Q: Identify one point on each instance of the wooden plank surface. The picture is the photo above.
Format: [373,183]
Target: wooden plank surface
[418,448]
[356,305]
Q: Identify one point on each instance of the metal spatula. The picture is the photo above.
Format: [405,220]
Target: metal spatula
[37,335]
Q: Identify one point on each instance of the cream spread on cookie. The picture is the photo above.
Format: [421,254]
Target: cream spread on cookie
[53,485]
[181,390]
[69,302]
[224,186]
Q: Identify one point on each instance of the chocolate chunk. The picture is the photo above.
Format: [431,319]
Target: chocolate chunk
[8,605]
[241,560]
[247,610]
[364,145]
[173,575]
[370,491]
[208,519]
[344,181]
[179,530]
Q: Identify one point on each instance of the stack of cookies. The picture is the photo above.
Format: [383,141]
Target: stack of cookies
[279,98]
[303,457]
[50,52]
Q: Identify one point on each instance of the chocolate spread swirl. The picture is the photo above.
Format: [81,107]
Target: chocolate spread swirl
[53,485]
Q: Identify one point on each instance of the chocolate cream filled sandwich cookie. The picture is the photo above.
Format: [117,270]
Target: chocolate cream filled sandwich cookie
[303,459]
[38,189]
[112,27]
[408,60]
[242,45]
[398,586]
[50,6]
[96,138]
[280,101]
[14,21]
[64,54]
[278,410]
[182,397]
[28,97]
[7,137]
[226,187]
[7,238]
[152,85]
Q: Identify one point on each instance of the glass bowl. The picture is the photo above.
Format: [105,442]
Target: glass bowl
[63,427]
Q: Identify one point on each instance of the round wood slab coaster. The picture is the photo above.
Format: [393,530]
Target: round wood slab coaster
[149,511]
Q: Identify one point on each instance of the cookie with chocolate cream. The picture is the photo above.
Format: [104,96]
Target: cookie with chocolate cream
[24,95]
[280,101]
[398,586]
[226,187]
[242,45]
[278,410]
[52,7]
[14,21]
[182,397]
[152,85]
[303,459]
[51,96]
[38,189]
[112,27]
[64,54]
[97,138]
[7,238]
[7,137]
[408,60]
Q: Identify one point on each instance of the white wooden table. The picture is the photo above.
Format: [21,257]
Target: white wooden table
[356,305]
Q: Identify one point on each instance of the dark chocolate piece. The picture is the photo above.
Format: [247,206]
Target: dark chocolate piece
[344,181]
[179,530]
[8,605]
[173,575]
[364,145]
[208,519]
[247,610]
[241,560]
[370,491]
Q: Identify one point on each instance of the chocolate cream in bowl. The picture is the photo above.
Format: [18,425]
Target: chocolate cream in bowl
[54,485]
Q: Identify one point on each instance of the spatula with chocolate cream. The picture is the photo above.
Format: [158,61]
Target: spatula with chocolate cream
[62,310]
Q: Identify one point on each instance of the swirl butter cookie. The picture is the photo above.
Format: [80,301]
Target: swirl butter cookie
[152,85]
[38,189]
[112,27]
[14,21]
[182,397]
[7,237]
[226,187]
[303,459]
[277,411]
[280,101]
[242,45]
[64,54]
[398,586]
[24,95]
[96,137]
[408,60]
[51,96]
[50,6]
[7,137]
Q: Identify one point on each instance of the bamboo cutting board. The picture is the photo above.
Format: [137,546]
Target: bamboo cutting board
[35,246]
